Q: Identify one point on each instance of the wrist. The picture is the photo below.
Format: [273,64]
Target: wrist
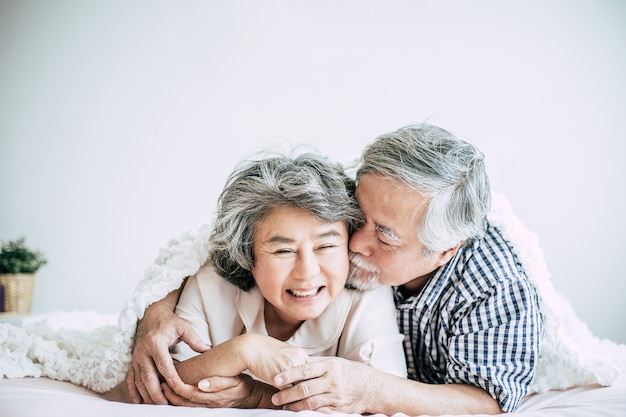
[245,349]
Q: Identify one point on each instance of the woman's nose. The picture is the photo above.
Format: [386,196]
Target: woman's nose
[307,266]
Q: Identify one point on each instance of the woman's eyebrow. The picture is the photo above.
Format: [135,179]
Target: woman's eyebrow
[284,239]
[329,233]
[279,239]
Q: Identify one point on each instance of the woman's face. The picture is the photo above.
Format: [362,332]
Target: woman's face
[301,264]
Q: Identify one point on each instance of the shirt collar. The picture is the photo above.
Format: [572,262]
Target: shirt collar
[435,285]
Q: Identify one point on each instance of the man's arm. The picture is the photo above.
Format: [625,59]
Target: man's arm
[157,331]
[339,385]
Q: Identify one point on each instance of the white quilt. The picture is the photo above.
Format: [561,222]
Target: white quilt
[97,356]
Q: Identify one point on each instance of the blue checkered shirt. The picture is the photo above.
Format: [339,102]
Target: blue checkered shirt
[477,321]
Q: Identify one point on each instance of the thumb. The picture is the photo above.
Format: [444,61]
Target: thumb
[194,341]
[218,383]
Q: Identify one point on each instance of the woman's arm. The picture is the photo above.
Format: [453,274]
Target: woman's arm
[263,356]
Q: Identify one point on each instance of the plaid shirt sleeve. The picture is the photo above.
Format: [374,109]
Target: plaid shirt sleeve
[495,341]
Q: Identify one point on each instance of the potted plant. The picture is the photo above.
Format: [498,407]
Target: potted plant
[18,265]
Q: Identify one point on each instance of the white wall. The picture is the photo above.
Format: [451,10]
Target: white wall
[119,120]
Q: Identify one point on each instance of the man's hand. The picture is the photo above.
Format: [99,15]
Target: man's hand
[159,329]
[340,385]
[326,384]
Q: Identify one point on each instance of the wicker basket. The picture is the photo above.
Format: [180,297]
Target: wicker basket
[18,292]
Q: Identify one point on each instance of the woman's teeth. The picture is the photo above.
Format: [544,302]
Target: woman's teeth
[298,293]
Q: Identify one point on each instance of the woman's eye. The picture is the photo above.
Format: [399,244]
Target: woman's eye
[283,251]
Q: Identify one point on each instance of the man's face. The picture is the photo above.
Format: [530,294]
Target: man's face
[386,248]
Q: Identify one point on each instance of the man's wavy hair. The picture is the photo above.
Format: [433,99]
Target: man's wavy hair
[449,172]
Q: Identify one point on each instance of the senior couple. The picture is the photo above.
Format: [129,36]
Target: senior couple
[409,301]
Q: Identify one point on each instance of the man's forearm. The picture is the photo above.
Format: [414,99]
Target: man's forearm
[166,304]
[416,398]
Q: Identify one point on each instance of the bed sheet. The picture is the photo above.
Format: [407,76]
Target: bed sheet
[38,397]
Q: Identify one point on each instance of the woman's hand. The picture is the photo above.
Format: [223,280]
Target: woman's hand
[265,357]
[224,392]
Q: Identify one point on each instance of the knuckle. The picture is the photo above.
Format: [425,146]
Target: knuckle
[307,370]
[143,374]
[193,397]
[310,403]
[304,389]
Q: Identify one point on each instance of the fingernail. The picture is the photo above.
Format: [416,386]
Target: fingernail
[278,380]
[204,384]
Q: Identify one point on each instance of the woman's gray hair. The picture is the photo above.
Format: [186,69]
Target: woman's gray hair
[256,187]
[447,171]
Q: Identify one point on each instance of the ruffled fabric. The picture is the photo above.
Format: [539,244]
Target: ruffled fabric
[570,354]
[98,355]
[98,358]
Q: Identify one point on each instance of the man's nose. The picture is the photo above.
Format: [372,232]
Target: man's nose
[359,242]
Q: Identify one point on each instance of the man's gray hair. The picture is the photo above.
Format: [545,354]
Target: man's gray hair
[256,187]
[447,171]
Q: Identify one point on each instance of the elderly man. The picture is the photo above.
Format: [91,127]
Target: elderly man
[469,314]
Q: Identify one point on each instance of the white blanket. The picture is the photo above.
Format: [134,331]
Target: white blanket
[97,356]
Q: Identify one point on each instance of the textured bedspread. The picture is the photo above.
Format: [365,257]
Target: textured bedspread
[97,356]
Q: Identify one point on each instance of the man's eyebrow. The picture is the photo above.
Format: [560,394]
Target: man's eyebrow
[387,232]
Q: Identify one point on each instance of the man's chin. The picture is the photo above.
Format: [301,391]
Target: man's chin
[362,276]
[362,283]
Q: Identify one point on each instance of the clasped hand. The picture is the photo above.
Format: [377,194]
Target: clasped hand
[151,364]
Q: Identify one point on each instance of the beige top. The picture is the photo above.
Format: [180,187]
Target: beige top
[357,325]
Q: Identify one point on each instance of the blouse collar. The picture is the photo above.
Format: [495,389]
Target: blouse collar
[314,336]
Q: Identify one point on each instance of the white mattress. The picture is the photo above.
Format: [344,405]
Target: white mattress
[38,397]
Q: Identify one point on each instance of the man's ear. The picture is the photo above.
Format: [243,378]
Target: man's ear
[446,255]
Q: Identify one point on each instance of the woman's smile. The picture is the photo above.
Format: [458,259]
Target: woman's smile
[305,293]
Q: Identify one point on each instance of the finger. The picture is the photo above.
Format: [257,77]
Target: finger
[218,383]
[192,396]
[300,373]
[141,388]
[189,336]
[302,393]
[315,403]
[148,383]
[133,393]
[165,367]
[176,399]
[188,392]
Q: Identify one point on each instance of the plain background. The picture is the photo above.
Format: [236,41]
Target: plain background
[119,120]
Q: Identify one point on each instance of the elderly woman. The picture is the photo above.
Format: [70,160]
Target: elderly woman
[273,292]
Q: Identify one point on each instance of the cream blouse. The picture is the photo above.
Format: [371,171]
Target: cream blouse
[357,325]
